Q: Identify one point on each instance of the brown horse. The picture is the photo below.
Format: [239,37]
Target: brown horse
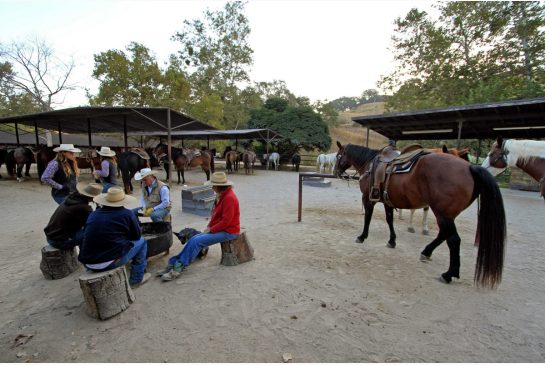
[446,184]
[185,158]
[249,158]
[89,159]
[527,155]
[232,159]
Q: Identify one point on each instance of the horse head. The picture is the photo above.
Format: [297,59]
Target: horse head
[160,152]
[496,161]
[342,163]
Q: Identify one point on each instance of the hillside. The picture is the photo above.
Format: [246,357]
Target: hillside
[349,132]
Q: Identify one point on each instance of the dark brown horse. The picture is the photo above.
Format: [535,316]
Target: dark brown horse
[185,158]
[43,155]
[296,161]
[130,163]
[89,159]
[448,185]
[249,158]
[527,155]
[16,159]
[232,159]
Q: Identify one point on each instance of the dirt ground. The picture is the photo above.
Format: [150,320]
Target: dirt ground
[311,291]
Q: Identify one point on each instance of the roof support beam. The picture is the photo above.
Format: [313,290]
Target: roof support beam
[460,125]
[17,133]
[89,132]
[169,146]
[60,131]
[36,133]
[125,138]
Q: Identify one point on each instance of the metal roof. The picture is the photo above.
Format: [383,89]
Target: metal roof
[108,119]
[267,135]
[510,119]
[29,138]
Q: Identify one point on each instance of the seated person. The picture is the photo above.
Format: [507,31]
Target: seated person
[108,172]
[224,225]
[65,228]
[155,198]
[113,237]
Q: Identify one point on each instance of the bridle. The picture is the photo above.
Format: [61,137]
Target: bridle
[502,156]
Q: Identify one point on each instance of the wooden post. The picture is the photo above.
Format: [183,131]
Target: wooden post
[236,251]
[57,264]
[106,293]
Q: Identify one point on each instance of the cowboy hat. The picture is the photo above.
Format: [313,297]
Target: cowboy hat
[146,171]
[91,190]
[219,179]
[67,147]
[115,197]
[106,151]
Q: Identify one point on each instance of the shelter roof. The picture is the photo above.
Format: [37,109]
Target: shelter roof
[510,119]
[28,138]
[109,119]
[267,135]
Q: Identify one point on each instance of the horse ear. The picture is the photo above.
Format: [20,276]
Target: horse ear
[339,145]
[499,141]
[445,149]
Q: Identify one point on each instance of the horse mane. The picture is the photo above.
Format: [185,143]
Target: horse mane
[525,150]
[359,154]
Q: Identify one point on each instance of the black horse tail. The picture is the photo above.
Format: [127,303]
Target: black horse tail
[123,165]
[492,227]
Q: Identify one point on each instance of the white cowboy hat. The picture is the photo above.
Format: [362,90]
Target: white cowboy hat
[106,151]
[68,147]
[219,179]
[146,171]
[115,197]
[91,190]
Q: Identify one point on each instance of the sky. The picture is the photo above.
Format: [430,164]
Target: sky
[323,50]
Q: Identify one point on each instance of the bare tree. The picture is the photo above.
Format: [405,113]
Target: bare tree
[37,72]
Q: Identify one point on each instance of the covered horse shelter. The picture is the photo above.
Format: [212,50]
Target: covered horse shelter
[122,120]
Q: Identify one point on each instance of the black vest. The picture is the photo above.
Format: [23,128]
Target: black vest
[112,174]
[61,177]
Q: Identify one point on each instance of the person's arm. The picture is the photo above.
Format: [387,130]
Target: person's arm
[134,232]
[105,169]
[165,198]
[227,214]
[47,176]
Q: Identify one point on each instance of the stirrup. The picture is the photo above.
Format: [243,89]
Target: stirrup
[374,194]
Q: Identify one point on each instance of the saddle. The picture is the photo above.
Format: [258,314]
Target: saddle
[190,154]
[390,161]
[140,152]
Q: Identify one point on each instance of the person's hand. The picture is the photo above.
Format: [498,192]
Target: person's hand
[147,212]
[65,189]
[206,230]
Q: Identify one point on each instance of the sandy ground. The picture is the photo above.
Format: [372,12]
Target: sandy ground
[311,291]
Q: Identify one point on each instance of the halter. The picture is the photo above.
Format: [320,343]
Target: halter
[502,156]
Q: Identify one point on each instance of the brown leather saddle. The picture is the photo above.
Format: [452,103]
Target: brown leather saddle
[390,161]
[140,152]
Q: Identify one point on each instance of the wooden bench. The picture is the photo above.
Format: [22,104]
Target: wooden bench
[57,264]
[106,293]
[237,251]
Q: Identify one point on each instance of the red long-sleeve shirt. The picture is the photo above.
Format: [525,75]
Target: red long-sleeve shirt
[226,214]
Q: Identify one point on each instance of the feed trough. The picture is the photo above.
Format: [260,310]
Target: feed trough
[158,235]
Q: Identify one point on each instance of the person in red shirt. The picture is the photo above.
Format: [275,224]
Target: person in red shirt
[224,225]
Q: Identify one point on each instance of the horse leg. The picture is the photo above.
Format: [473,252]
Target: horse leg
[207,172]
[411,227]
[166,166]
[27,170]
[425,229]
[390,220]
[183,177]
[369,206]
[453,242]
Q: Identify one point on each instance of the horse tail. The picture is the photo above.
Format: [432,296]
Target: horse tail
[492,227]
[10,163]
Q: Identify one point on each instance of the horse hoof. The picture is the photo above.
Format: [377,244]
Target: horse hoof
[425,258]
[389,245]
[410,229]
[444,279]
[425,232]
[358,240]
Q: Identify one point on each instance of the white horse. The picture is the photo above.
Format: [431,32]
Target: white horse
[324,162]
[273,158]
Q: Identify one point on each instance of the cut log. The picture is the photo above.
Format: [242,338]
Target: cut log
[57,264]
[237,251]
[106,293]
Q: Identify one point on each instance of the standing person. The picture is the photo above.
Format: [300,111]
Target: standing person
[155,198]
[65,228]
[108,172]
[62,172]
[113,237]
[224,225]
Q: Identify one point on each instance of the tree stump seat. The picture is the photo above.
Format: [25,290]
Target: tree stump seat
[237,251]
[57,264]
[106,293]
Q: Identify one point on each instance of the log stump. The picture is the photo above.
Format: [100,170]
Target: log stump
[57,264]
[106,293]
[236,251]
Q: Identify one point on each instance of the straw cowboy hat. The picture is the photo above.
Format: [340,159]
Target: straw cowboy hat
[106,151]
[146,171]
[115,197]
[66,147]
[219,179]
[91,190]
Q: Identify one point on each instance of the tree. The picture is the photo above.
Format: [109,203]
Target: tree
[301,125]
[36,77]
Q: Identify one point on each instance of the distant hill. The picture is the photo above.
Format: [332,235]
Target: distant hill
[350,132]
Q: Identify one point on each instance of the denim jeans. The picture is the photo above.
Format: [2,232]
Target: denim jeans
[69,243]
[58,198]
[196,244]
[106,186]
[158,215]
[138,264]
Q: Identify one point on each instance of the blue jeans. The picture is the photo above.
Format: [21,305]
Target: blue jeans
[69,243]
[158,215]
[196,244]
[138,264]
[106,186]
[58,198]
